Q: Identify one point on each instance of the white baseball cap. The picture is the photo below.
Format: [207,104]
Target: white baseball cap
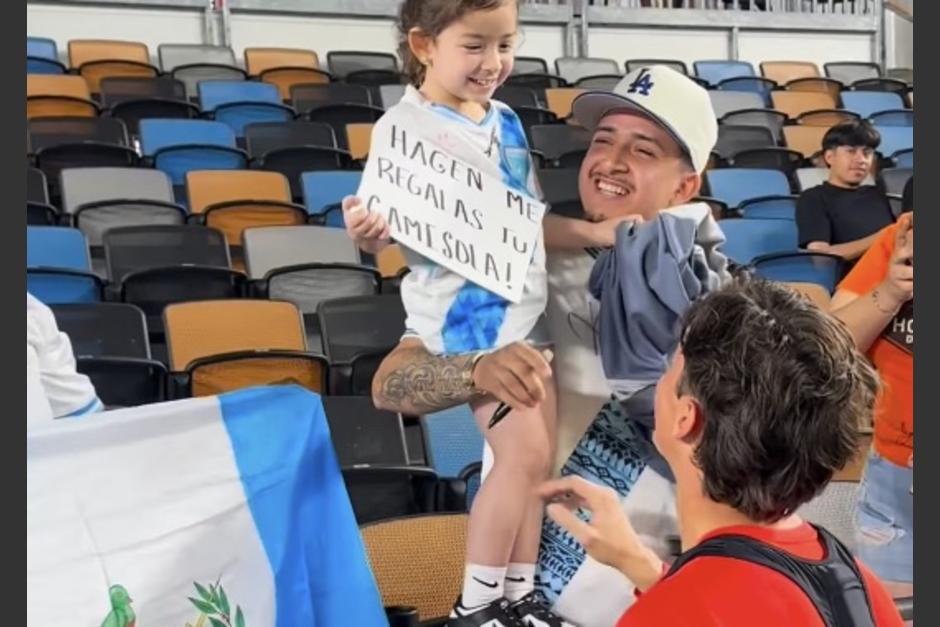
[664,95]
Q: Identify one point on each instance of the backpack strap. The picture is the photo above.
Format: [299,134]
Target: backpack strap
[834,585]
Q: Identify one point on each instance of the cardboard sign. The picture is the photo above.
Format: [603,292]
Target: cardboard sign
[449,210]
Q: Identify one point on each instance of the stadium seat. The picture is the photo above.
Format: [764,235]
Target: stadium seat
[765,118]
[156,266]
[58,96]
[847,72]
[307,265]
[359,139]
[418,561]
[342,63]
[60,143]
[137,248]
[285,67]
[529,65]
[733,139]
[753,84]
[374,80]
[516,96]
[323,191]
[904,74]
[733,186]
[225,345]
[602,82]
[536,81]
[559,100]
[111,347]
[894,179]
[192,63]
[38,210]
[897,117]
[751,238]
[782,72]
[806,140]
[389,95]
[58,266]
[810,177]
[675,64]
[573,69]
[801,267]
[339,115]
[237,103]
[903,158]
[867,103]
[834,509]
[307,97]
[178,146]
[233,201]
[769,158]
[99,199]
[769,208]
[794,103]
[816,85]
[42,56]
[364,435]
[725,102]
[880,84]
[360,324]
[716,71]
[894,139]
[827,118]
[391,262]
[554,140]
[559,184]
[96,59]
[453,439]
[136,98]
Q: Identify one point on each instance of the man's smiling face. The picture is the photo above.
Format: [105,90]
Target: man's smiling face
[633,166]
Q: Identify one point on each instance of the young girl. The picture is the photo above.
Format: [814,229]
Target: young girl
[456,53]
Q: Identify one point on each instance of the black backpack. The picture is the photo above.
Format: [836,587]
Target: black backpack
[834,584]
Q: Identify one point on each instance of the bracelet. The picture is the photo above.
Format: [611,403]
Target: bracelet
[874,297]
[468,377]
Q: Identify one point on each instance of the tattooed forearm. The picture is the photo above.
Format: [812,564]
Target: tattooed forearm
[413,381]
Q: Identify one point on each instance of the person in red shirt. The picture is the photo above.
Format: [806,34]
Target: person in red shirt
[760,406]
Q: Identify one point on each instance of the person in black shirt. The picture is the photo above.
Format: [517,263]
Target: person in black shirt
[843,216]
[907,197]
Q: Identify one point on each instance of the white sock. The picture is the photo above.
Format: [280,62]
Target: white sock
[520,580]
[482,584]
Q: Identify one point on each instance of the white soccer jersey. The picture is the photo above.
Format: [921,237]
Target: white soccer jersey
[446,311]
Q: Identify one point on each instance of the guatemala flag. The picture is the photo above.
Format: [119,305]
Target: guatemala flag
[227,510]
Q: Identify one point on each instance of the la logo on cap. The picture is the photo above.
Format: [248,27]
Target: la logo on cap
[642,84]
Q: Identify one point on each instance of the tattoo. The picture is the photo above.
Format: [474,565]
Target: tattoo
[425,383]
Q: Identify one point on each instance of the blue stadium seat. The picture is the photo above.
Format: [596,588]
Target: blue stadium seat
[454,443]
[801,267]
[893,117]
[754,84]
[178,146]
[238,103]
[748,239]
[735,185]
[864,103]
[58,266]
[42,56]
[325,189]
[895,139]
[716,71]
[904,158]
[769,208]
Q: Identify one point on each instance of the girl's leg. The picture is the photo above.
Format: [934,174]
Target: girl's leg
[520,574]
[521,459]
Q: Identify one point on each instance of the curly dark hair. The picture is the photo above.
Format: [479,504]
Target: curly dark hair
[783,391]
[431,17]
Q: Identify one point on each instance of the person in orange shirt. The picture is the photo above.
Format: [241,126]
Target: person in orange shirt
[760,405]
[876,302]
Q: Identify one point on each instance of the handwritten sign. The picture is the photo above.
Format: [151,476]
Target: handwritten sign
[450,211]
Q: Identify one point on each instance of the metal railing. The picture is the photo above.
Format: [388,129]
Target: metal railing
[844,7]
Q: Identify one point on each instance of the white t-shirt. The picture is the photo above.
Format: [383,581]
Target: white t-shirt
[54,388]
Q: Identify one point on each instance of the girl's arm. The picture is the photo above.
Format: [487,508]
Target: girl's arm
[572,234]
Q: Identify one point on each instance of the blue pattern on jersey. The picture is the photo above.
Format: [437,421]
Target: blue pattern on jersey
[613,452]
[476,315]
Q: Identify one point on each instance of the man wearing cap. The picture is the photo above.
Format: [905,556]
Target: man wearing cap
[651,140]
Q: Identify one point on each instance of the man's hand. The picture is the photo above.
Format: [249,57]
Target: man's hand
[604,233]
[514,374]
[609,538]
[367,229]
[898,286]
